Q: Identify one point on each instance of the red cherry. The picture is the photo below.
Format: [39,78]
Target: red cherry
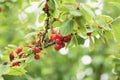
[53,31]
[62,44]
[39,34]
[46,5]
[38,42]
[11,55]
[68,36]
[54,36]
[15,64]
[24,56]
[36,57]
[89,33]
[65,39]
[36,50]
[29,46]
[57,47]
[19,49]
[58,41]
[33,42]
[60,36]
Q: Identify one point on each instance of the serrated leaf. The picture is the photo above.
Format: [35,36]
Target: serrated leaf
[67,27]
[4,69]
[16,71]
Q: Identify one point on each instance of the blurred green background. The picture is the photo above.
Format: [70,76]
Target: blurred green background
[78,63]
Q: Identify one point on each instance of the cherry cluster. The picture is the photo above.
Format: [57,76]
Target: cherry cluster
[17,54]
[59,40]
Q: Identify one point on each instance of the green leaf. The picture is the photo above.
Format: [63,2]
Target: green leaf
[42,17]
[29,59]
[116,61]
[88,10]
[67,27]
[105,18]
[77,40]
[4,69]
[52,6]
[115,4]
[75,12]
[30,34]
[17,71]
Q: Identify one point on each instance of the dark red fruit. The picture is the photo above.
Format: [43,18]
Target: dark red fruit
[38,41]
[58,41]
[15,64]
[68,36]
[57,47]
[46,5]
[89,33]
[65,39]
[60,36]
[36,50]
[19,49]
[62,44]
[53,31]
[29,46]
[33,42]
[39,34]
[11,55]
[54,37]
[24,56]
[36,57]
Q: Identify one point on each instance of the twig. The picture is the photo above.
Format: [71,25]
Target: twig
[109,23]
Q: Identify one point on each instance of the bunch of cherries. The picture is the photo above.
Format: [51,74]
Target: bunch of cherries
[57,38]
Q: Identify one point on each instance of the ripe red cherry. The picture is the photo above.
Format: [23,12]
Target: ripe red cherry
[65,39]
[58,41]
[89,33]
[53,31]
[36,50]
[54,37]
[38,41]
[33,42]
[60,36]
[62,44]
[39,34]
[19,49]
[57,47]
[36,57]
[46,5]
[11,55]
[15,64]
[68,36]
